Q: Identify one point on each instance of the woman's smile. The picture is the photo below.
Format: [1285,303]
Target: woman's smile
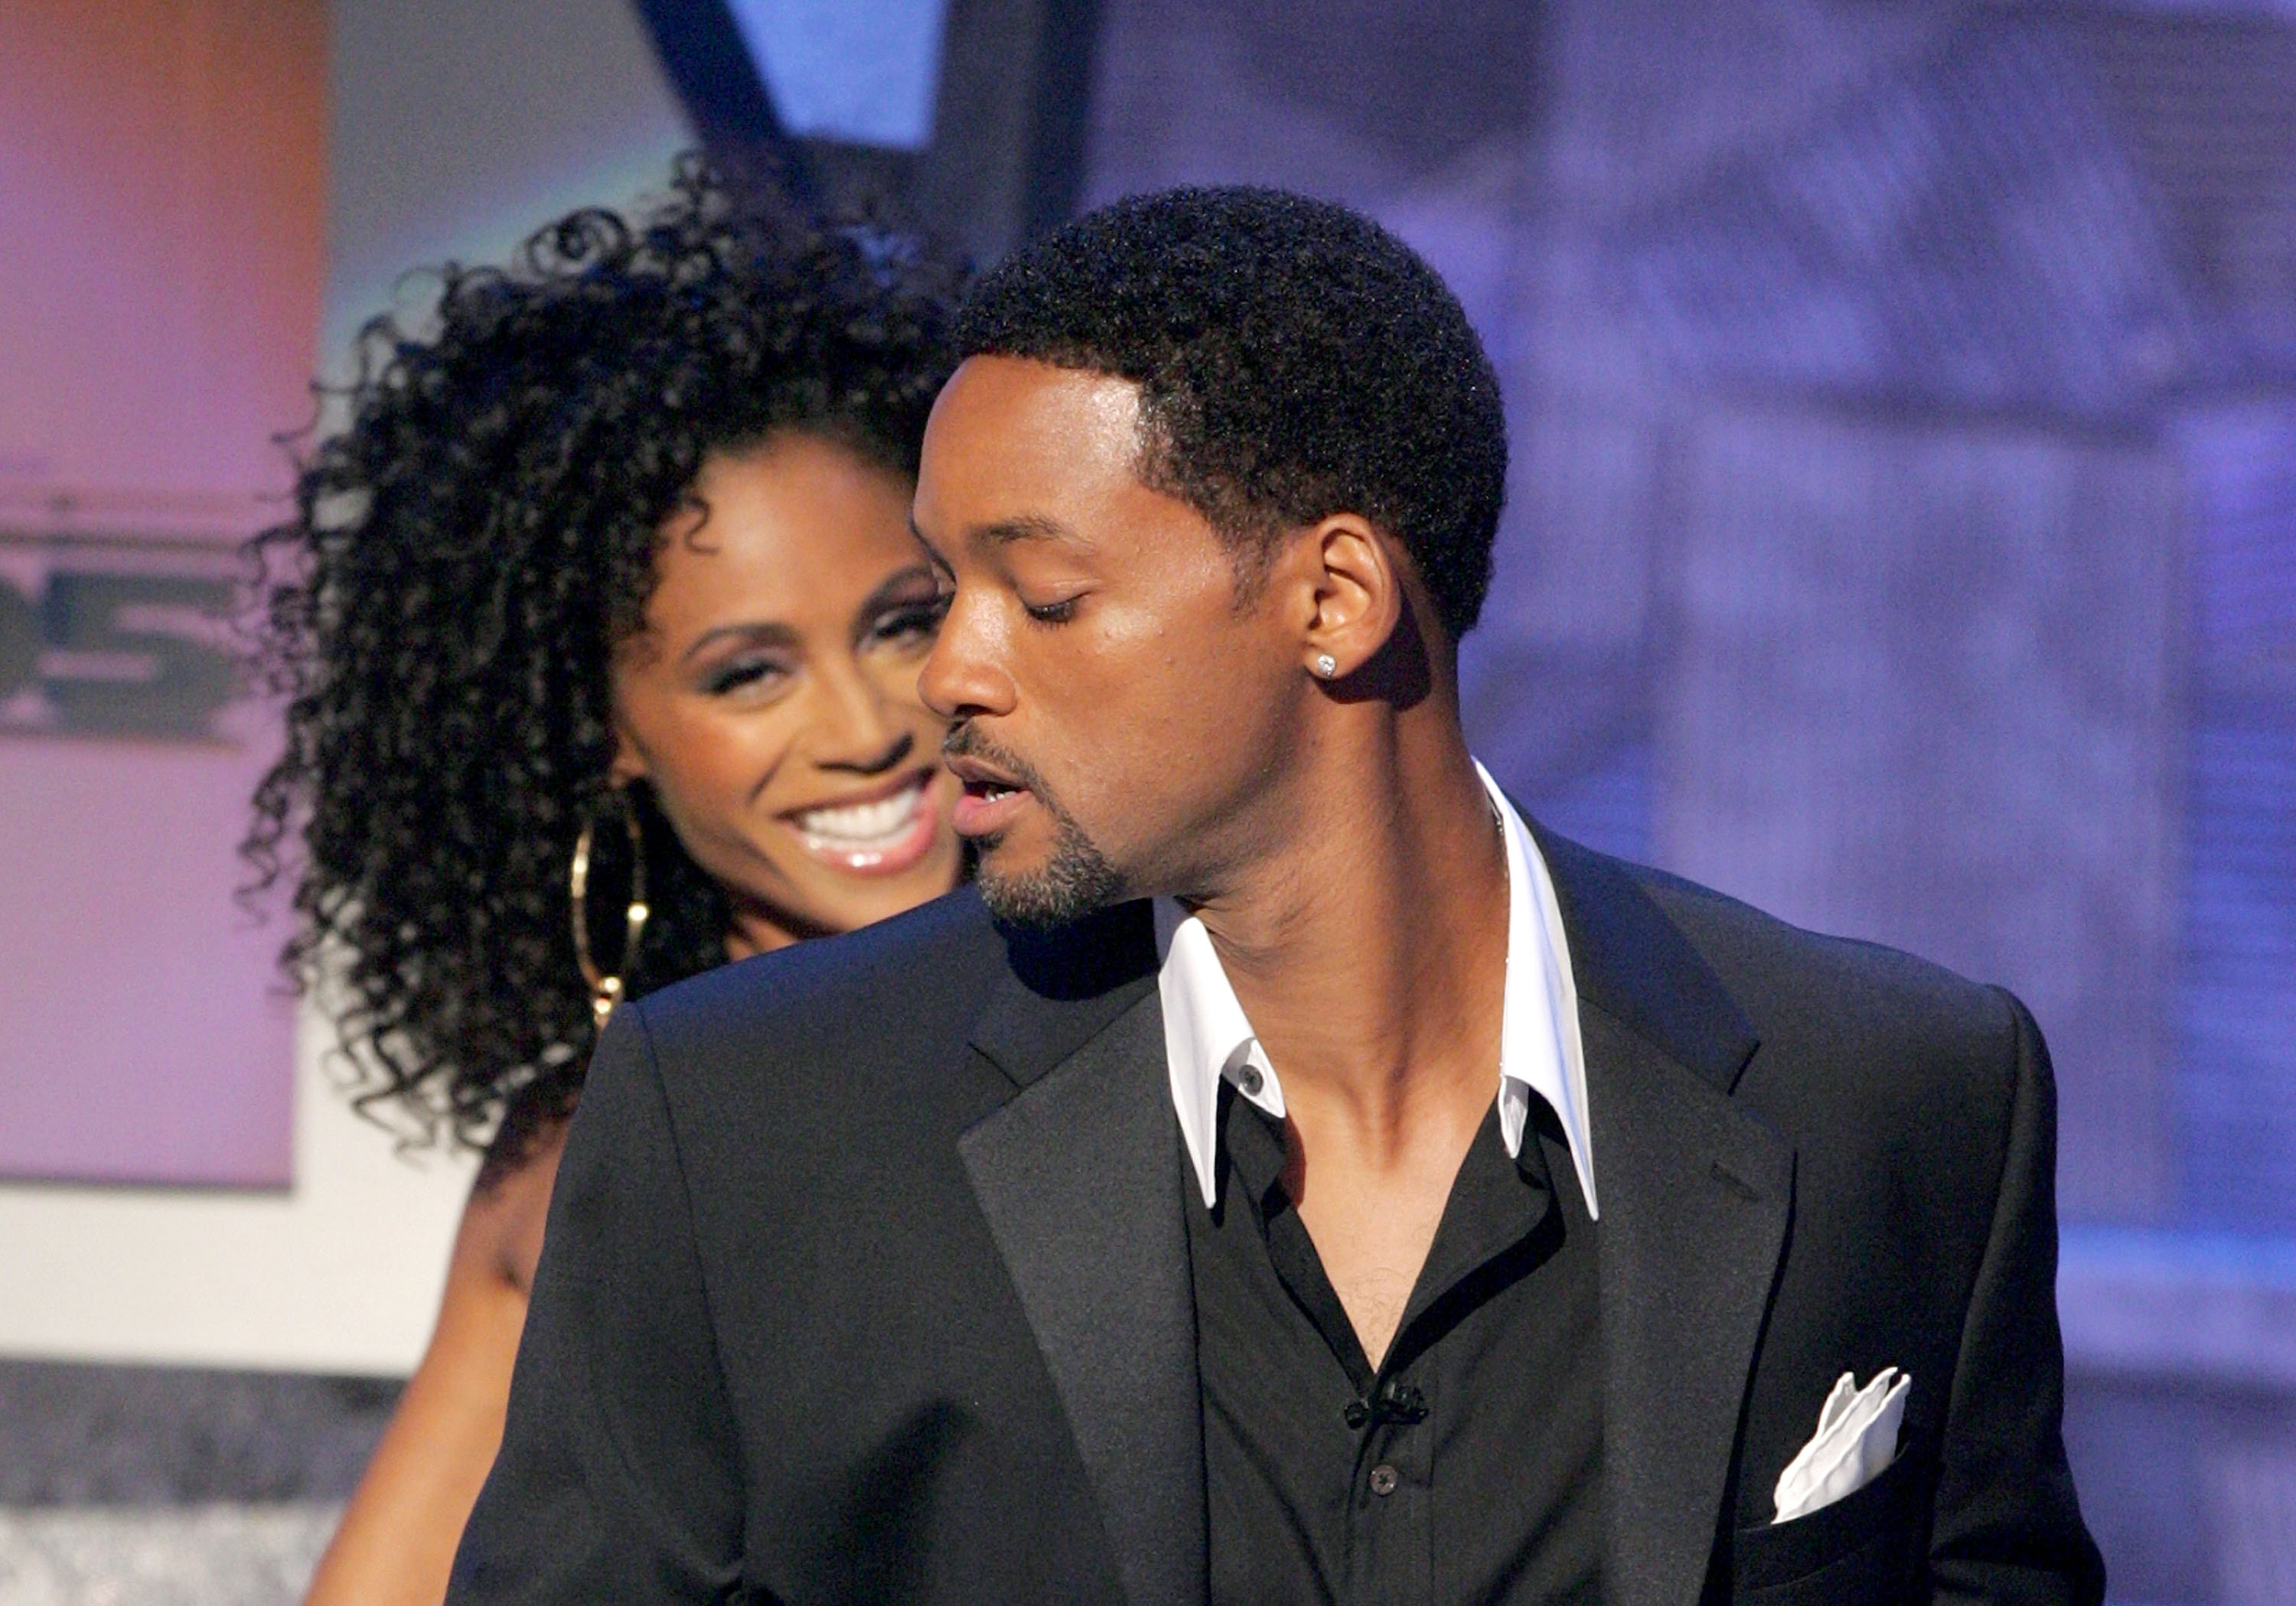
[881,831]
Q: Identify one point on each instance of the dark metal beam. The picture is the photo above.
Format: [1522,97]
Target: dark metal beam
[702,49]
[1007,156]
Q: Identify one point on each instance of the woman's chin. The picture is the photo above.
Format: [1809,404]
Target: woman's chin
[851,889]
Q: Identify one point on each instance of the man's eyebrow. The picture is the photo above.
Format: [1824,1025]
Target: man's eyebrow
[1002,532]
[1028,527]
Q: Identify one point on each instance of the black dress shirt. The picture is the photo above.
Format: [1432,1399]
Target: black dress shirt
[1467,1466]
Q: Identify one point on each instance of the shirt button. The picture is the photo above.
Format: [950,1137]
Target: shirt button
[1382,1480]
[1356,1413]
[1249,1078]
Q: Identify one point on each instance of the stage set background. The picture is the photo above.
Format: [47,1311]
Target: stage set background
[1902,536]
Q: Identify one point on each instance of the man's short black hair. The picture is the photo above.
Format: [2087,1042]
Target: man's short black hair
[1295,360]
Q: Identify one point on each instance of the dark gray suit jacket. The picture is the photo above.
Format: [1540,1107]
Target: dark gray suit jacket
[867,1279]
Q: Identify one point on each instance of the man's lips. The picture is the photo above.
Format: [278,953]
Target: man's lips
[992,800]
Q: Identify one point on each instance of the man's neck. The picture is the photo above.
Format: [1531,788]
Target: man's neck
[1368,949]
[1369,952]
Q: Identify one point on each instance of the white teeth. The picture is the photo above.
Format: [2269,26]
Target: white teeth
[865,824]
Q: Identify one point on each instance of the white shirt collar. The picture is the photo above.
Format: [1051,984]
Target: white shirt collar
[1208,1040]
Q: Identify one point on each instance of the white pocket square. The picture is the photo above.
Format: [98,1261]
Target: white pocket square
[1857,1439]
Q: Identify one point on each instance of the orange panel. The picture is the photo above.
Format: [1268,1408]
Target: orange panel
[164,181]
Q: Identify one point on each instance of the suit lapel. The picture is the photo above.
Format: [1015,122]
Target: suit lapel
[1697,1195]
[1080,1178]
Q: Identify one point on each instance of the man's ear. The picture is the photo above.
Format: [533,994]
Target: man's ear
[1354,595]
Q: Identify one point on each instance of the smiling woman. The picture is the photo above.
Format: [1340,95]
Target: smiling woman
[610,566]
[770,702]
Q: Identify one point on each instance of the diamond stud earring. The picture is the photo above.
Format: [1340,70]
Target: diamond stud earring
[1326,665]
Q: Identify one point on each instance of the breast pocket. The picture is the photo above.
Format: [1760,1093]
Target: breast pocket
[1864,1550]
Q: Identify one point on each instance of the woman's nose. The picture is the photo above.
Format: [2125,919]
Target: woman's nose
[861,728]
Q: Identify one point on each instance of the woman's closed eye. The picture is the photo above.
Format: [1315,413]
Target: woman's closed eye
[910,623]
[750,675]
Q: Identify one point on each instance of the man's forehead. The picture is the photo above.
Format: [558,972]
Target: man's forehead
[1021,450]
[1003,393]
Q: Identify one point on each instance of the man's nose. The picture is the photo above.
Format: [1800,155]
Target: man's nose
[964,674]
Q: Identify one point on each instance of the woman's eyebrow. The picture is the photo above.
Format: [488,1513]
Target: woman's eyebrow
[761,634]
[896,587]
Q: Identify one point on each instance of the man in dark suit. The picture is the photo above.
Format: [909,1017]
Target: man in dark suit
[1289,1174]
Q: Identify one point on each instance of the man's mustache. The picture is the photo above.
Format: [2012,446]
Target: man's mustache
[964,741]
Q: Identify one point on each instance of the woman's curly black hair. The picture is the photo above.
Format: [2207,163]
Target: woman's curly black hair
[465,555]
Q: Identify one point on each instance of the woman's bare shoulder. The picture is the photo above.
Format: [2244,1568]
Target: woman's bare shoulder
[509,1203]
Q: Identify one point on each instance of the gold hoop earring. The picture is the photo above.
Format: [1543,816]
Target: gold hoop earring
[606,991]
